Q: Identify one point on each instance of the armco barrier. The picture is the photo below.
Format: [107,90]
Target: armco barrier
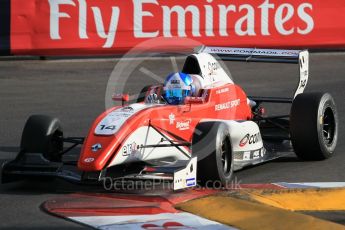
[63,27]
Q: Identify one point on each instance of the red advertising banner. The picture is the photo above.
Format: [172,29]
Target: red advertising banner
[62,27]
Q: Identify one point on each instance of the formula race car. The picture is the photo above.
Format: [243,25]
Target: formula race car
[197,128]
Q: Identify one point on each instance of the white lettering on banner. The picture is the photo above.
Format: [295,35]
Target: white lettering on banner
[110,37]
[209,20]
[306,18]
[55,15]
[138,19]
[82,19]
[265,7]
[244,25]
[249,18]
[202,13]
[181,17]
[223,18]
[280,19]
[227,105]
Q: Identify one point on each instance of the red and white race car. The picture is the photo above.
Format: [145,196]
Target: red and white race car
[216,130]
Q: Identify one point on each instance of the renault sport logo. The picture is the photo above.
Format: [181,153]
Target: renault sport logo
[96,147]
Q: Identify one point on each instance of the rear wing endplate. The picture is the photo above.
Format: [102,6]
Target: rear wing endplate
[300,57]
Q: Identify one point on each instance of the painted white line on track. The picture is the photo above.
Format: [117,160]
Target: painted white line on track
[180,221]
[312,185]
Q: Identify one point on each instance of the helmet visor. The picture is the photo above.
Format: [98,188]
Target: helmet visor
[177,92]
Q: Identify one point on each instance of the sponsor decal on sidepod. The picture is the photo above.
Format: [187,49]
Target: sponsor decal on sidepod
[129,148]
[250,139]
[183,125]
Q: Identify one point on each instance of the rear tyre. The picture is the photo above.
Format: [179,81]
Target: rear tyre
[211,144]
[43,134]
[314,126]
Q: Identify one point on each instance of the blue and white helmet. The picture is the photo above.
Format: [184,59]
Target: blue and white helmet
[177,87]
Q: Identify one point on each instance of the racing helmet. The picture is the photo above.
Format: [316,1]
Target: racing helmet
[177,87]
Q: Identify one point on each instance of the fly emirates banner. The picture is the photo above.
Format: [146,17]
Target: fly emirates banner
[63,27]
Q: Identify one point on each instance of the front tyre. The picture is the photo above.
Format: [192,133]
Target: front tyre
[211,144]
[43,134]
[314,126]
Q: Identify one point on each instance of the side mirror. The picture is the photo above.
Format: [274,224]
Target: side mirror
[121,97]
[194,100]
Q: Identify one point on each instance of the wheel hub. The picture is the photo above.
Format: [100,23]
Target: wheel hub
[328,126]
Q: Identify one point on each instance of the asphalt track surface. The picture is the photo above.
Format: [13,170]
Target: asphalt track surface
[74,91]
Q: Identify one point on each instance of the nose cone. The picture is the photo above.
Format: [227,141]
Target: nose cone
[107,133]
[96,152]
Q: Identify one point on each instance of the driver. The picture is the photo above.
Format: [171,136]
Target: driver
[177,87]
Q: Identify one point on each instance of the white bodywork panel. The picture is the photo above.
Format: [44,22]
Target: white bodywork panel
[211,70]
[300,57]
[303,72]
[113,121]
[245,135]
[246,142]
[186,177]
[131,150]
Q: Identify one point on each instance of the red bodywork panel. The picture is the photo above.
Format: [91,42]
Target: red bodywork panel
[227,102]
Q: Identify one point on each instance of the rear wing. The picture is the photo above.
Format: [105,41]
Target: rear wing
[300,57]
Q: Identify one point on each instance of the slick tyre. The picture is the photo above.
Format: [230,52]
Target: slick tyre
[314,126]
[211,144]
[43,134]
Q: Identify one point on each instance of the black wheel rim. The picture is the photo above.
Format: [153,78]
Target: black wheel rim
[226,159]
[328,126]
